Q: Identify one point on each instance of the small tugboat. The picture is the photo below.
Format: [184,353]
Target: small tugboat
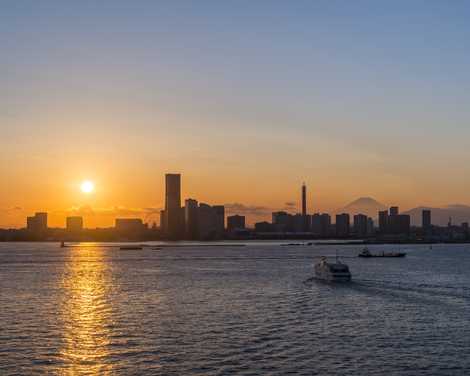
[332,272]
[366,254]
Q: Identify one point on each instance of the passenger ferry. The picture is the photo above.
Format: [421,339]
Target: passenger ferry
[332,272]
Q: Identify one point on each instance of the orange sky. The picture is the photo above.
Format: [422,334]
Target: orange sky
[246,102]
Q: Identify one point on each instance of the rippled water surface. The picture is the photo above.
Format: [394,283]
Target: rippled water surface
[231,310]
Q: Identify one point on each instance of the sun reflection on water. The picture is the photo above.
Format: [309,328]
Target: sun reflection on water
[86,313]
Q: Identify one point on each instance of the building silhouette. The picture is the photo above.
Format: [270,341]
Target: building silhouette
[173,215]
[342,225]
[321,224]
[383,221]
[74,224]
[38,223]
[394,223]
[235,222]
[211,221]
[283,221]
[306,219]
[304,199]
[394,210]
[361,225]
[399,224]
[264,226]
[129,228]
[426,220]
[191,219]
[219,212]
[370,227]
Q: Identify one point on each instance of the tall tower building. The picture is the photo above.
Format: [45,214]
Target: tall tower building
[304,199]
[426,219]
[173,214]
[342,225]
[383,221]
[191,219]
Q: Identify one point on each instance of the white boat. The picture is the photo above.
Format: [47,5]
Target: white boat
[332,272]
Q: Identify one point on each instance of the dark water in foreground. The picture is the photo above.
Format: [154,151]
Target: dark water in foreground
[245,311]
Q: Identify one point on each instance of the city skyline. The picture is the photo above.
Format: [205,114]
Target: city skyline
[357,99]
[190,219]
[105,217]
[178,210]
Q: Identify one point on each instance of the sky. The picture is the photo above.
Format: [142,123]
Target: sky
[246,99]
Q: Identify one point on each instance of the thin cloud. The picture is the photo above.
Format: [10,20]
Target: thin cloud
[114,211]
[237,208]
[11,210]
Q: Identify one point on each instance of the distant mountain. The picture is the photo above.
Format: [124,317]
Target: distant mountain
[440,216]
[363,205]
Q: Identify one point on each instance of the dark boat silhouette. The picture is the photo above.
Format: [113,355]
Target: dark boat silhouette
[367,254]
[332,271]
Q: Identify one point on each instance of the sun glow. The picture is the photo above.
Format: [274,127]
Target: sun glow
[87,186]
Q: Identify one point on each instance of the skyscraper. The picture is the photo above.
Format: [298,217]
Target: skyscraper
[383,221]
[361,225]
[283,221]
[394,210]
[304,219]
[426,219]
[172,217]
[342,224]
[304,199]
[321,224]
[219,212]
[211,220]
[191,222]
[38,223]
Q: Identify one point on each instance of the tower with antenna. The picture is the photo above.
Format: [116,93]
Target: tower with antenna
[304,200]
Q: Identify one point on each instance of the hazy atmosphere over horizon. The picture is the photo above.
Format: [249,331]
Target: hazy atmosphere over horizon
[244,100]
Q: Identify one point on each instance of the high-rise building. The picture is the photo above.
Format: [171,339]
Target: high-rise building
[283,221]
[304,199]
[130,228]
[342,225]
[173,214]
[299,223]
[191,219]
[321,224]
[383,221]
[211,221]
[235,222]
[37,223]
[128,224]
[163,221]
[394,210]
[399,224]
[219,212]
[305,225]
[74,224]
[426,219]
[370,227]
[361,224]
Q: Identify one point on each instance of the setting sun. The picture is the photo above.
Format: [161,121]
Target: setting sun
[87,186]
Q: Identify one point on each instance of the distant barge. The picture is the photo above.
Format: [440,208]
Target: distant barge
[367,254]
